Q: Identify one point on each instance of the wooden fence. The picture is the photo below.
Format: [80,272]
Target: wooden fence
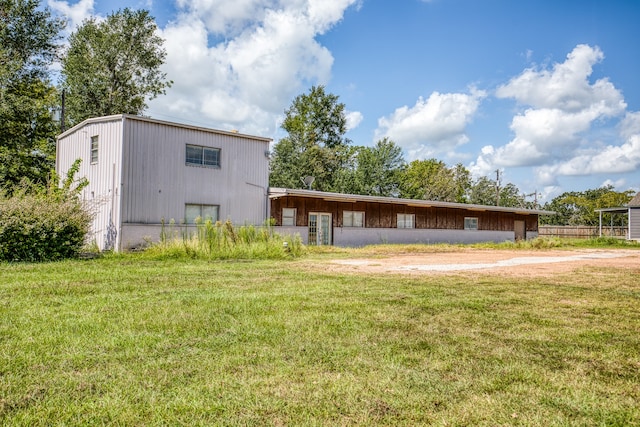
[581,231]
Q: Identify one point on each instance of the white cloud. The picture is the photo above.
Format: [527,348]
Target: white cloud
[75,14]
[431,126]
[354,118]
[247,78]
[566,86]
[237,63]
[630,125]
[611,159]
[563,106]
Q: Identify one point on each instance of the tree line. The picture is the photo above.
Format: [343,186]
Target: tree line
[107,67]
[113,66]
[316,146]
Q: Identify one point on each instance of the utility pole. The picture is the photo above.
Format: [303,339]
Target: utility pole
[62,113]
[535,195]
[497,187]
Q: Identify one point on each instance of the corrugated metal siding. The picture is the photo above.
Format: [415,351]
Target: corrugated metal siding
[102,195]
[634,223]
[157,183]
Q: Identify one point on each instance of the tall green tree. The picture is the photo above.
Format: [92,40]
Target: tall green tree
[29,44]
[432,180]
[485,192]
[378,170]
[114,66]
[315,144]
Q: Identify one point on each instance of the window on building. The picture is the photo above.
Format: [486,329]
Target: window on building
[94,149]
[406,221]
[470,223]
[352,219]
[203,156]
[204,212]
[289,217]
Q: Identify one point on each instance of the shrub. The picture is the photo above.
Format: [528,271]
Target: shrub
[43,223]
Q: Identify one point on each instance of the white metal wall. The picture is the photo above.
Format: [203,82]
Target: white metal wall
[156,182]
[102,195]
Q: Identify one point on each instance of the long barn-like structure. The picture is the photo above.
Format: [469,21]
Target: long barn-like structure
[323,218]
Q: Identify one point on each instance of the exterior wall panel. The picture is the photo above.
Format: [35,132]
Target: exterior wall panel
[159,182]
[634,223]
[102,196]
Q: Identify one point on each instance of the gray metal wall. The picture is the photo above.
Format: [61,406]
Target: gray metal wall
[141,176]
[634,223]
[156,182]
[102,195]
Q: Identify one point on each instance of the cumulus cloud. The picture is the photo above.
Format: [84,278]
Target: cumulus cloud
[431,126]
[354,118]
[265,53]
[562,105]
[75,13]
[604,160]
[238,63]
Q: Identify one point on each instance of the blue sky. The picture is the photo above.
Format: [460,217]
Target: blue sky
[547,92]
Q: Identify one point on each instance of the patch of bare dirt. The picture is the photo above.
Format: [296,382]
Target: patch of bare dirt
[529,263]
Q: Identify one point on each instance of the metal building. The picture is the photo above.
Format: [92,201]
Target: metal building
[143,172]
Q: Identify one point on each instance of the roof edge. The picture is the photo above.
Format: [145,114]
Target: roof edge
[124,117]
[275,193]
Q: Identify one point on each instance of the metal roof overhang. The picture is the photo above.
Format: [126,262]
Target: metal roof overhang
[620,210]
[275,193]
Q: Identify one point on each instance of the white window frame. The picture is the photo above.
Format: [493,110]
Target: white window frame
[352,219]
[471,223]
[201,159]
[203,211]
[406,220]
[95,145]
[289,217]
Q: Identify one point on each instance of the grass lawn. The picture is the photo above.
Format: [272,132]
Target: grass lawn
[126,340]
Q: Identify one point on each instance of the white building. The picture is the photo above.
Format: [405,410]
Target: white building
[142,172]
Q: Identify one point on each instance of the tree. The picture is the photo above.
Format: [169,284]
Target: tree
[29,39]
[113,66]
[484,192]
[315,145]
[432,180]
[578,207]
[378,170]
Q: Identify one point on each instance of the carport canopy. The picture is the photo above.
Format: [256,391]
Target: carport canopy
[620,210]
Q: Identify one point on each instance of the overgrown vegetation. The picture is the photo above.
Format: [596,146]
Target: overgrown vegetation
[222,240]
[126,340]
[43,223]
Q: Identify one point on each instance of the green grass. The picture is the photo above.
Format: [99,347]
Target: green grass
[129,340]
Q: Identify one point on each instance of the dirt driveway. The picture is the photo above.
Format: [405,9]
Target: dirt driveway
[496,262]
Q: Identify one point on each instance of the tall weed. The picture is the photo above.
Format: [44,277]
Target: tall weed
[222,240]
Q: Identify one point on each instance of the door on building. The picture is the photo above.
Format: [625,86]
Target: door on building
[320,227]
[520,230]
